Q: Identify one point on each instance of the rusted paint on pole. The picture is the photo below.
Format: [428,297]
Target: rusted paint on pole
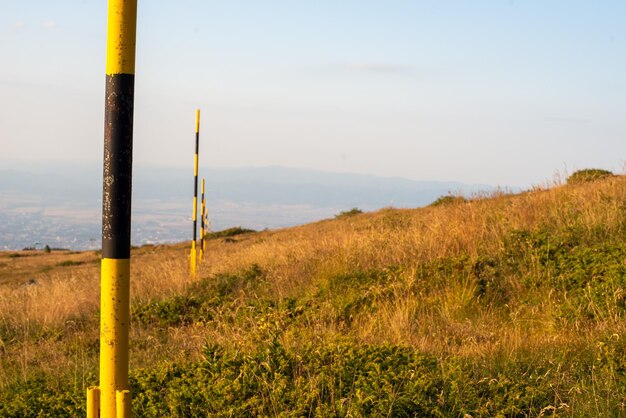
[193,259]
[116,203]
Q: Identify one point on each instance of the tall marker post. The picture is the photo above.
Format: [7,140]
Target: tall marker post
[193,259]
[113,392]
[202,231]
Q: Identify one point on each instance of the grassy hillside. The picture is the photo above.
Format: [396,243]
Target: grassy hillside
[497,306]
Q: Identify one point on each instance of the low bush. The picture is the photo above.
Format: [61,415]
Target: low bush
[348,213]
[198,302]
[340,378]
[448,200]
[587,175]
[230,232]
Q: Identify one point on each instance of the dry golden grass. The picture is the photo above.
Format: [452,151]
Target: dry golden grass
[444,319]
[17,267]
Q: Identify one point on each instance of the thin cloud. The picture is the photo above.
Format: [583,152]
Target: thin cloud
[49,24]
[19,25]
[565,119]
[375,67]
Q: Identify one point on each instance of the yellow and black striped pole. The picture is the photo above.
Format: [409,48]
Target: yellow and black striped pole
[204,219]
[193,259]
[207,225]
[114,397]
[202,232]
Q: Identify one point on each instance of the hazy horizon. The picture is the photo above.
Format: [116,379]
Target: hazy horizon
[60,204]
[482,92]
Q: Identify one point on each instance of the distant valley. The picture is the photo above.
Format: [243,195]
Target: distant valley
[59,204]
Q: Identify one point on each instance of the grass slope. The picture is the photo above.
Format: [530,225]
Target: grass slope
[497,306]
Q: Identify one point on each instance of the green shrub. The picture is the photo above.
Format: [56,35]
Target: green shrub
[199,302]
[230,232]
[586,276]
[343,379]
[42,396]
[448,200]
[589,174]
[348,213]
[340,378]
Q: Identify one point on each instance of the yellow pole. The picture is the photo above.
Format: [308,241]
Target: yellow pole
[123,403]
[207,225]
[93,402]
[206,229]
[114,329]
[116,203]
[193,259]
[202,232]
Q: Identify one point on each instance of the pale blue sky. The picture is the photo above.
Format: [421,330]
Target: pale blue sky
[498,92]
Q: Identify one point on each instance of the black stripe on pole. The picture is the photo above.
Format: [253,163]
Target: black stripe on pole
[202,217]
[195,187]
[118,159]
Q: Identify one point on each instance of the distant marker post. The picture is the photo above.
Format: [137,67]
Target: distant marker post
[205,219]
[202,231]
[116,205]
[207,224]
[193,259]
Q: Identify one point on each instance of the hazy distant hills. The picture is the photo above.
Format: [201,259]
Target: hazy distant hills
[61,202]
[280,185]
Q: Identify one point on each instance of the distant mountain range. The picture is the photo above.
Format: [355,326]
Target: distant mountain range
[59,204]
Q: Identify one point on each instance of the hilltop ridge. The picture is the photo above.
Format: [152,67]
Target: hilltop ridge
[504,305]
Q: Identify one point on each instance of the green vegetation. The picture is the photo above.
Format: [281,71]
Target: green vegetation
[24,253]
[68,263]
[230,232]
[348,213]
[448,200]
[198,303]
[513,306]
[339,380]
[586,175]
[344,379]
